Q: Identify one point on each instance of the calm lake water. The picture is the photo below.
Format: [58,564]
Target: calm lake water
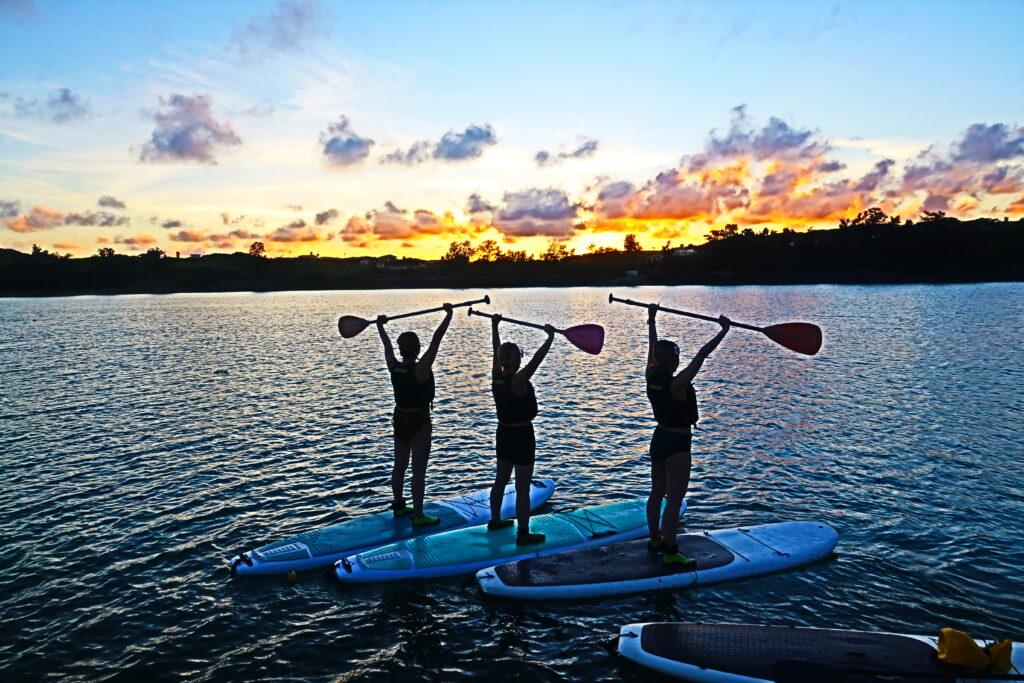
[132,470]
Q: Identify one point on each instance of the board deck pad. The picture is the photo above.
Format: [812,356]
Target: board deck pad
[470,549]
[477,544]
[322,547]
[752,651]
[616,562]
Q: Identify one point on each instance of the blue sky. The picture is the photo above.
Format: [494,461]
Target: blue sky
[644,83]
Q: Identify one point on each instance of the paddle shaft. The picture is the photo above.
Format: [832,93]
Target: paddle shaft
[511,320]
[485,300]
[612,298]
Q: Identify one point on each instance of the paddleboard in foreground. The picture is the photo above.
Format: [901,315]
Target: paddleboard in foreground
[467,550]
[735,653]
[631,567]
[323,547]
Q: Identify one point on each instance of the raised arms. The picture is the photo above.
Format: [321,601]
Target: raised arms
[389,350]
[687,374]
[427,359]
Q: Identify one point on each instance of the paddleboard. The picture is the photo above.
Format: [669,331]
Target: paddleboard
[630,567]
[736,653]
[467,550]
[323,547]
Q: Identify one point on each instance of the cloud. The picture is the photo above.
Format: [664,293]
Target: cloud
[326,216]
[66,246]
[537,212]
[187,131]
[103,219]
[62,106]
[109,202]
[39,218]
[982,143]
[453,146]
[393,223]
[1016,206]
[341,146]
[296,231]
[138,241]
[476,204]
[9,208]
[171,223]
[585,148]
[468,144]
[293,207]
[291,27]
[775,140]
[188,236]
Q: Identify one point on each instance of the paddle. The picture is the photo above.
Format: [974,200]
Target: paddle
[350,325]
[803,338]
[798,671]
[589,338]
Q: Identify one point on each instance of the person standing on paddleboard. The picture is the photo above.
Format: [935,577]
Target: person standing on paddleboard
[413,382]
[516,445]
[675,408]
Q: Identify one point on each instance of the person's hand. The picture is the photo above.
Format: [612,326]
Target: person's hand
[381,319]
[652,311]
[495,319]
[550,330]
[724,322]
[447,309]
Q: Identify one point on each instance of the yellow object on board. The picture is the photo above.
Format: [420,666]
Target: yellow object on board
[956,647]
[999,653]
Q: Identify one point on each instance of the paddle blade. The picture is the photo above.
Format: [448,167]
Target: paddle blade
[589,338]
[803,338]
[350,325]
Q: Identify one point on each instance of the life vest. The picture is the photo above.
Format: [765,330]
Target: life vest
[512,408]
[668,411]
[408,392]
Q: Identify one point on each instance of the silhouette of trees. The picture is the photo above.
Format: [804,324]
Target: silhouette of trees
[459,252]
[488,251]
[105,252]
[556,251]
[869,218]
[154,254]
[631,243]
[937,217]
[730,230]
[257,250]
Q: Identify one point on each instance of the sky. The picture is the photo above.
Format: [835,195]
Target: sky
[355,128]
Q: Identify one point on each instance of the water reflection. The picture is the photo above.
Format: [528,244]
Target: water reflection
[134,469]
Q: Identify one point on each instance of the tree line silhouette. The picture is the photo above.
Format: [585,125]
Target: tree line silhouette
[872,247]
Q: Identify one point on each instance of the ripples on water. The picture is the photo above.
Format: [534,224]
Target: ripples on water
[133,470]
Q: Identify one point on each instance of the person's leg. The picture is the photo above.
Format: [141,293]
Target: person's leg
[501,477]
[677,471]
[420,457]
[654,502]
[402,450]
[526,450]
[524,479]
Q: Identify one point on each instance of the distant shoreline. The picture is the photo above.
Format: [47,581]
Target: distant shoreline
[466,285]
[938,251]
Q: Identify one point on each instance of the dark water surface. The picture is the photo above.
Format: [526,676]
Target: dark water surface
[132,471]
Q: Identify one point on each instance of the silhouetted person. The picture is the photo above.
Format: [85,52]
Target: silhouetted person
[413,382]
[515,442]
[675,408]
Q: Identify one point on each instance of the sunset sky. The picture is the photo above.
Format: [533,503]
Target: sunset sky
[344,128]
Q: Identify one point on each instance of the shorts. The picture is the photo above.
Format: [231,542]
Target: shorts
[408,423]
[517,445]
[665,444]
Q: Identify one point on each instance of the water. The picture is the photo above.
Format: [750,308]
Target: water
[133,470]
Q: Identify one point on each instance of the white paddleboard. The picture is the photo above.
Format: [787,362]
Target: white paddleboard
[323,547]
[468,550]
[630,567]
[738,653]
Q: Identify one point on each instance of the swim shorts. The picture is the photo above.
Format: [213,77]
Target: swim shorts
[516,444]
